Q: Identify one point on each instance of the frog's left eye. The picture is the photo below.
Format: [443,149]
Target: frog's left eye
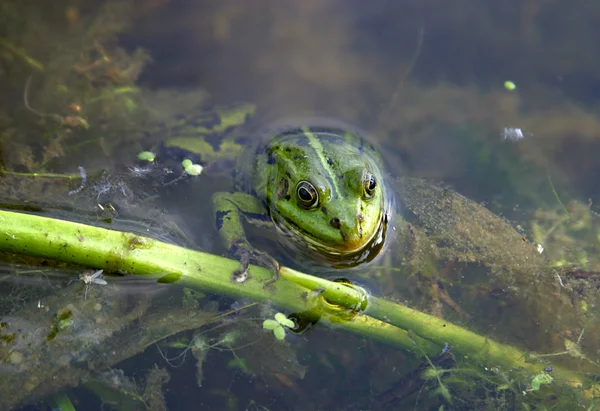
[370,185]
[307,195]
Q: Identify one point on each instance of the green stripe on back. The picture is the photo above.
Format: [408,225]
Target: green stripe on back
[315,143]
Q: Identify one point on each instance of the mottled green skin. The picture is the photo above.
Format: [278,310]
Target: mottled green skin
[347,224]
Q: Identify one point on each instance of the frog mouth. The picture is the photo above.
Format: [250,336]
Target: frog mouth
[337,257]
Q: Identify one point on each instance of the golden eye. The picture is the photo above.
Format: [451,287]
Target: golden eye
[307,195]
[370,185]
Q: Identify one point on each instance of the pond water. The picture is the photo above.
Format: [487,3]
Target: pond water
[485,113]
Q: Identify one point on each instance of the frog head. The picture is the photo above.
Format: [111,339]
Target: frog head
[326,194]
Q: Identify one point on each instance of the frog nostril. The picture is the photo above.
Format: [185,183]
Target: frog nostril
[335,222]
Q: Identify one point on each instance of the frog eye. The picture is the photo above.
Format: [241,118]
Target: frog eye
[370,185]
[306,194]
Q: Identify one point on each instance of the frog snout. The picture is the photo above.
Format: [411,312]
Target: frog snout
[335,223]
[353,225]
[350,231]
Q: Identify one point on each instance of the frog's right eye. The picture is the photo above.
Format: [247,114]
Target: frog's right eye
[307,195]
[370,183]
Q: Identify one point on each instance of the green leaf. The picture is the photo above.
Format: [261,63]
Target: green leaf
[288,323]
[270,324]
[509,85]
[62,324]
[147,156]
[200,343]
[230,338]
[178,344]
[429,374]
[445,393]
[83,123]
[62,402]
[186,163]
[194,170]
[130,104]
[279,332]
[541,378]
[125,90]
[281,318]
[241,364]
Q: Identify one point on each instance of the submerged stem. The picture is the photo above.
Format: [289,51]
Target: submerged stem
[133,254]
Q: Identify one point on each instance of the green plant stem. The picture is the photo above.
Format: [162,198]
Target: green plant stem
[133,254]
[31,62]
[432,329]
[130,253]
[43,175]
[557,196]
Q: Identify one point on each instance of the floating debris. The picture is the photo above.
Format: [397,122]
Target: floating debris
[110,184]
[513,134]
[75,122]
[139,171]
[540,248]
[75,107]
[93,278]
[83,181]
[446,348]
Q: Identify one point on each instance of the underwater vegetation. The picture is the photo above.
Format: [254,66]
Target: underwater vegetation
[488,299]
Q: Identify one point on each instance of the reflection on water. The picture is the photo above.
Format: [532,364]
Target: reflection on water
[92,84]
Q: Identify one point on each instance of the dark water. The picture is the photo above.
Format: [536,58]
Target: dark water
[425,79]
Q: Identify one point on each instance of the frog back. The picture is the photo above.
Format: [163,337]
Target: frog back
[310,143]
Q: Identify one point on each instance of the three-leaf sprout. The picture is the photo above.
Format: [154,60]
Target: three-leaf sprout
[278,325]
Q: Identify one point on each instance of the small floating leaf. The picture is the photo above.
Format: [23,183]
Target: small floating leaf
[194,170]
[270,324]
[190,168]
[288,323]
[509,85]
[280,317]
[279,332]
[147,156]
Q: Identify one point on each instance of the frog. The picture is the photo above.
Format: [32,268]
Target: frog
[431,222]
[321,189]
[317,186]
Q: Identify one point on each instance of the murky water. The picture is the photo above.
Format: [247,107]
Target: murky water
[494,100]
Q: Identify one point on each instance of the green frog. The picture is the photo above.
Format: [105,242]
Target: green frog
[318,186]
